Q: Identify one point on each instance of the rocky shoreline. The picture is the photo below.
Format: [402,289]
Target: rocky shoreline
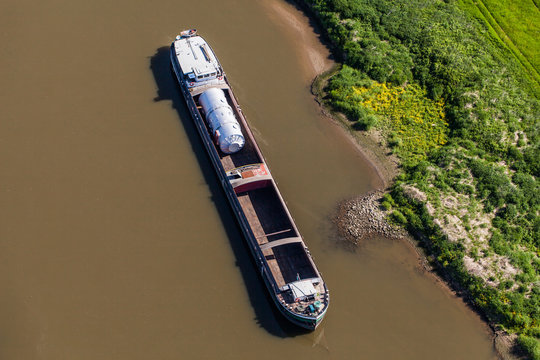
[363,216]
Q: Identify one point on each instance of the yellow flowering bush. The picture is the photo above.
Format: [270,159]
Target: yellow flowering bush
[413,123]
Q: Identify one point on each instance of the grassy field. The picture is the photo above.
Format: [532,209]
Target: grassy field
[515,23]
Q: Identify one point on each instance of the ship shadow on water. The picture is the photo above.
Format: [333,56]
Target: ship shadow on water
[266,313]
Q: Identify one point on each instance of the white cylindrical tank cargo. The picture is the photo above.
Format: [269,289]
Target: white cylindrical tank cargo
[222,121]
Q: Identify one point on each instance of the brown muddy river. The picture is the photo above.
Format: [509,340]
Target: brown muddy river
[116,240]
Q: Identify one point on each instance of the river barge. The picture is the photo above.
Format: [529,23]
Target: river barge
[281,256]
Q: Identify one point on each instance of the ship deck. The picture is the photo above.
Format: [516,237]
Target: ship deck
[265,211]
[287,267]
[287,260]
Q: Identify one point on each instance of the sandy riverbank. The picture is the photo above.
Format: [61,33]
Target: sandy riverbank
[361,216]
[311,52]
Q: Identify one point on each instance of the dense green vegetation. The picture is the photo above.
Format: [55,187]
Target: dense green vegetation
[460,110]
[415,123]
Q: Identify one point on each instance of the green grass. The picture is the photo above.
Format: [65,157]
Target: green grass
[516,24]
[520,20]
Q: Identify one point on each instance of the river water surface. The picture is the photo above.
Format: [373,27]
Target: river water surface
[116,240]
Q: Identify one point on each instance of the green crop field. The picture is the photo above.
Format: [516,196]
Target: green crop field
[516,23]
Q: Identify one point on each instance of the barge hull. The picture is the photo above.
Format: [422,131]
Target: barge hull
[279,252]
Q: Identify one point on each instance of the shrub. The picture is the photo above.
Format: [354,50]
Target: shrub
[398,217]
[386,205]
[414,124]
[531,345]
[388,198]
[365,122]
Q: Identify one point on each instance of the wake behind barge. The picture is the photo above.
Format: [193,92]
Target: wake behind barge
[282,257]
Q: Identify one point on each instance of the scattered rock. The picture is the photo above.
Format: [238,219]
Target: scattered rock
[505,346]
[364,216]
